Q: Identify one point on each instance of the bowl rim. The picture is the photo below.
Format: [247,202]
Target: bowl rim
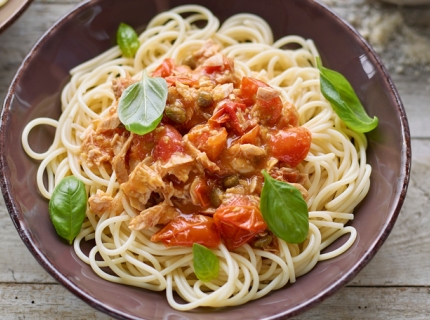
[12,18]
[99,305]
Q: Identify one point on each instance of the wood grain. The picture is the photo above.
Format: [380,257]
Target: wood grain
[395,284]
[41,301]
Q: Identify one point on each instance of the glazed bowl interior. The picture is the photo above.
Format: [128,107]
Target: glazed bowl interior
[88,31]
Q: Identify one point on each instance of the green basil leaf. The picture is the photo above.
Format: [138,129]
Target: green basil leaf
[141,105]
[127,40]
[67,207]
[206,263]
[339,92]
[284,210]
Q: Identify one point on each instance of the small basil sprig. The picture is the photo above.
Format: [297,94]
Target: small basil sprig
[339,92]
[284,210]
[141,105]
[127,40]
[67,207]
[206,263]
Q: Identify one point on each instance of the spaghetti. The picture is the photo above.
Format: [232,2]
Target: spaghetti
[337,176]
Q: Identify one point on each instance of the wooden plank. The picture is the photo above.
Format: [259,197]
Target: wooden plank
[373,303]
[20,265]
[35,301]
[40,301]
[414,92]
[400,262]
[17,40]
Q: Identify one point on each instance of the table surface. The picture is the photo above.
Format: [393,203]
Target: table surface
[394,285]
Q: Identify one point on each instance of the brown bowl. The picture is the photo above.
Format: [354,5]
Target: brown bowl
[89,30]
[11,11]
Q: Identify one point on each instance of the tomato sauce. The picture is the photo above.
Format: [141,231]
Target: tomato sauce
[235,128]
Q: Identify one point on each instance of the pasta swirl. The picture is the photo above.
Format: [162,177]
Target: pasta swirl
[338,176]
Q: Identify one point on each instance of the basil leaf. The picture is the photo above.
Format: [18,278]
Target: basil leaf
[127,40]
[206,263]
[284,210]
[67,207]
[141,105]
[339,92]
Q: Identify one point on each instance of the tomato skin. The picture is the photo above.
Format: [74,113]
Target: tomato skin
[202,191]
[289,117]
[168,141]
[186,230]
[291,145]
[212,142]
[252,136]
[226,114]
[239,221]
[249,88]
[165,69]
[268,111]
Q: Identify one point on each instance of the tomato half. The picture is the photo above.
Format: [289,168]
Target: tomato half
[291,145]
[168,141]
[186,230]
[239,221]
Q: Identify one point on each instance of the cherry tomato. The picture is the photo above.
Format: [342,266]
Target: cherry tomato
[290,146]
[249,89]
[289,117]
[216,143]
[268,111]
[202,191]
[239,221]
[186,230]
[168,141]
[226,114]
[165,69]
[212,141]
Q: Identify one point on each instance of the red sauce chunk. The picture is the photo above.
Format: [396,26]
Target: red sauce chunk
[186,230]
[202,164]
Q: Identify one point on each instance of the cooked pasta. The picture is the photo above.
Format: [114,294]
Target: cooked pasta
[334,174]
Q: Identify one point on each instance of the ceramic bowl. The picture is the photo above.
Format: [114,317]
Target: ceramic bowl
[89,30]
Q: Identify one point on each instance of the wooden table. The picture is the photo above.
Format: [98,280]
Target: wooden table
[395,284]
